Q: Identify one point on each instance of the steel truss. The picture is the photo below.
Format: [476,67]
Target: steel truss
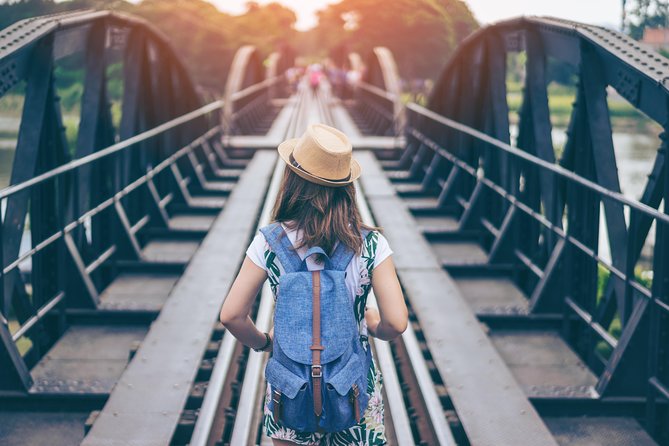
[90,207]
[540,216]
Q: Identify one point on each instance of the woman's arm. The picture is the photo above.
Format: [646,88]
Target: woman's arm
[237,305]
[392,317]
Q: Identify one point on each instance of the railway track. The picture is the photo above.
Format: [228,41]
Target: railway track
[228,406]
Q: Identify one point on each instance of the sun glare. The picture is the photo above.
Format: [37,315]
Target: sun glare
[304,9]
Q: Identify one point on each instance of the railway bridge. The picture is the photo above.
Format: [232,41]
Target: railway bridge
[538,292]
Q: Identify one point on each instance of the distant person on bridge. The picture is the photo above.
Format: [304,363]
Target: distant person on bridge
[321,262]
[315,74]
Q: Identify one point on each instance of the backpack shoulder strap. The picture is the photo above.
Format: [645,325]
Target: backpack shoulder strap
[280,244]
[342,255]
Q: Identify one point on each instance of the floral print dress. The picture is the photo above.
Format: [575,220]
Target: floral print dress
[370,431]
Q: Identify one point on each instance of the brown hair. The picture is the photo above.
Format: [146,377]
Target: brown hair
[323,214]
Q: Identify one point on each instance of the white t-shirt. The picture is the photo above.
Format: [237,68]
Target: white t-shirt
[355,271]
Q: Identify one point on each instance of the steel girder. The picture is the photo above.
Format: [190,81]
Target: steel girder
[64,271]
[555,239]
[246,70]
[378,95]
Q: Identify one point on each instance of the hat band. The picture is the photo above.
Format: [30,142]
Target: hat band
[297,165]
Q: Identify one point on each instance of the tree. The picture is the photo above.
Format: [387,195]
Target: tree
[204,37]
[420,33]
[642,14]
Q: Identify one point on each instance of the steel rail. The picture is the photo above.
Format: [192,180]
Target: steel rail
[438,420]
[554,168]
[242,433]
[247,407]
[384,356]
[210,404]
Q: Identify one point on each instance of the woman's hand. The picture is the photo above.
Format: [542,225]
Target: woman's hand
[237,305]
[372,318]
[271,342]
[392,315]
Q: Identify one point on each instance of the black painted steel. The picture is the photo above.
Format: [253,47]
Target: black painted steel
[536,214]
[376,108]
[95,208]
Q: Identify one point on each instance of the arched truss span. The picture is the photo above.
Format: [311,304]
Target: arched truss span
[246,70]
[472,90]
[277,64]
[156,88]
[280,61]
[111,35]
[382,71]
[637,72]
[381,90]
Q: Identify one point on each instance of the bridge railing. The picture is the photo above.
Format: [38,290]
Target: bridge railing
[249,105]
[377,109]
[67,250]
[612,316]
[138,182]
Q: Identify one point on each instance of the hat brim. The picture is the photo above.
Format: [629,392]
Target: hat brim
[286,148]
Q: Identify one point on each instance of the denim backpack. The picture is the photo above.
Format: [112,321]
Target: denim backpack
[318,368]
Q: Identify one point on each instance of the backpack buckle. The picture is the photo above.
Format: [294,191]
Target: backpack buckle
[316,371]
[276,397]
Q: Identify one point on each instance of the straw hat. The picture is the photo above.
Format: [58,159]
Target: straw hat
[323,155]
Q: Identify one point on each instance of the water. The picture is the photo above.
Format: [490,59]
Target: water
[635,155]
[9,127]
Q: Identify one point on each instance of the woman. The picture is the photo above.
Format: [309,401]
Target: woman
[316,206]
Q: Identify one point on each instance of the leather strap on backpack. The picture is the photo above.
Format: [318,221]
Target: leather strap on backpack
[276,397]
[316,347]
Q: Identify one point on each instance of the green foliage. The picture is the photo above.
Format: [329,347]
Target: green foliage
[206,38]
[71,124]
[560,103]
[203,37]
[23,344]
[615,328]
[420,33]
[642,14]
[115,81]
[11,104]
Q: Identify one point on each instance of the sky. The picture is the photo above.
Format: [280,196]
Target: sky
[597,12]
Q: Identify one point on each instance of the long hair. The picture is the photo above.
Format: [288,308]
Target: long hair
[324,214]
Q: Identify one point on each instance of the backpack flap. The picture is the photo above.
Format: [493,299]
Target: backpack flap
[293,316]
[345,398]
[283,379]
[350,374]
